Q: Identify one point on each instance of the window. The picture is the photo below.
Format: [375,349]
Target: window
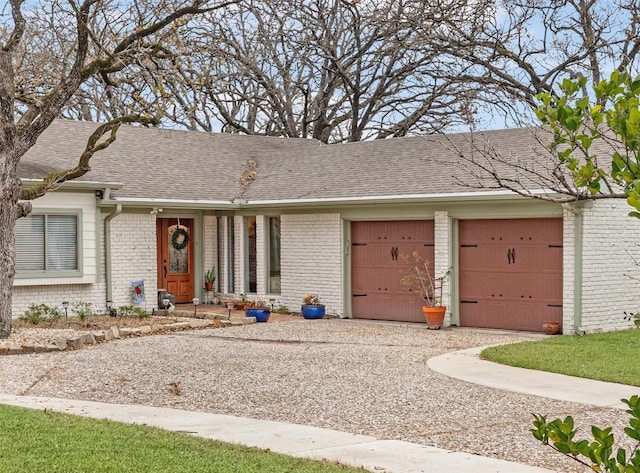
[47,243]
[273,246]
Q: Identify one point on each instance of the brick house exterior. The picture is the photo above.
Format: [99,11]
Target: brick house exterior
[315,192]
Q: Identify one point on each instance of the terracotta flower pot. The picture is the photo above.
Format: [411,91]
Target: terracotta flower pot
[208,286]
[551,327]
[434,316]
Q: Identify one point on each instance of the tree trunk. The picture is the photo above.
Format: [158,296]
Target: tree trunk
[9,209]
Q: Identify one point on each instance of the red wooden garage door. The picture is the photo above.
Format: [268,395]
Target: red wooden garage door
[510,273]
[377,267]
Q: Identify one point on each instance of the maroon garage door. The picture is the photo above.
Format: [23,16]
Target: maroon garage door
[510,273]
[377,268]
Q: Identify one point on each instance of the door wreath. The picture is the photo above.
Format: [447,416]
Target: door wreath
[180,238]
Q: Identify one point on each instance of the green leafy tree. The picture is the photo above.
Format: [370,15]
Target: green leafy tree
[596,137]
[599,454]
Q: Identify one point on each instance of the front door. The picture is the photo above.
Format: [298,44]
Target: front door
[175,257]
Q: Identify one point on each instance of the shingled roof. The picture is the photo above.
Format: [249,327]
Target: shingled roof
[154,163]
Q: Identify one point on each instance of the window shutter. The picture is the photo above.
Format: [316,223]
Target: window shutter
[30,243]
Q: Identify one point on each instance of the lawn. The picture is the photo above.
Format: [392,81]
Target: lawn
[611,356]
[49,442]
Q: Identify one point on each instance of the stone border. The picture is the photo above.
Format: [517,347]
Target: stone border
[115,332]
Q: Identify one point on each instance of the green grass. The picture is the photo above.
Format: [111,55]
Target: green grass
[47,442]
[611,356]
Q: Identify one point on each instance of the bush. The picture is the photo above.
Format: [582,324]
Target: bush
[597,454]
[83,310]
[133,311]
[37,313]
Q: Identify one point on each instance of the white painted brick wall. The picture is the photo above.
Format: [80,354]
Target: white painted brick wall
[210,247]
[311,260]
[133,257]
[568,271]
[442,261]
[610,244]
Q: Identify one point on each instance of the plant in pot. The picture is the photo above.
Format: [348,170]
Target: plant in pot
[257,309]
[421,281]
[312,308]
[209,279]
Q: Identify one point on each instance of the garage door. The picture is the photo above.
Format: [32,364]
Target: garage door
[510,273]
[377,267]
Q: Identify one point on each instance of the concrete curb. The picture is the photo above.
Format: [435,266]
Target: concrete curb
[296,440]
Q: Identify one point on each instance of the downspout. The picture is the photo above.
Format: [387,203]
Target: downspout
[577,266]
[107,251]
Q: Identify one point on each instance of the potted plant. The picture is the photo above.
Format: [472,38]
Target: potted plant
[209,279]
[311,307]
[257,309]
[421,281]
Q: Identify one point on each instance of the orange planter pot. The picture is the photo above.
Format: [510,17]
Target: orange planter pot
[434,316]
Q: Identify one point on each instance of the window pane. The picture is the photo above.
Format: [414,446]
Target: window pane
[62,246]
[274,255]
[30,243]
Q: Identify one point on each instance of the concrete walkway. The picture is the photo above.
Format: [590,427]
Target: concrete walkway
[381,456]
[466,365]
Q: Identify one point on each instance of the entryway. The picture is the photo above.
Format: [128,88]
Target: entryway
[175,257]
[510,273]
[377,268]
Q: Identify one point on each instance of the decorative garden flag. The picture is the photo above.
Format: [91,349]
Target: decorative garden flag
[137,290]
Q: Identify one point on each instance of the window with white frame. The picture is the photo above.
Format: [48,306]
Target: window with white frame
[47,243]
[273,246]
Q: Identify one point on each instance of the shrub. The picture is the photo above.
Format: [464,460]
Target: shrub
[133,311]
[37,313]
[83,310]
[598,454]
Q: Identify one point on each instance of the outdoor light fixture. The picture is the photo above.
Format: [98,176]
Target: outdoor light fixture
[243,297]
[272,302]
[166,303]
[110,309]
[229,306]
[65,305]
[196,302]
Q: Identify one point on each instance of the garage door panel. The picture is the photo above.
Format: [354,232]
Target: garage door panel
[378,265]
[510,273]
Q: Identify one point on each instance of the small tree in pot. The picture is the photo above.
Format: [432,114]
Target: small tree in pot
[421,280]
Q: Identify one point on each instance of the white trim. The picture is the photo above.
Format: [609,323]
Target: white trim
[76,184]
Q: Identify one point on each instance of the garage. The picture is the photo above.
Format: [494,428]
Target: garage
[510,273]
[377,267]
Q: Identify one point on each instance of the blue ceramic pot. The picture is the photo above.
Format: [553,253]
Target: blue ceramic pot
[313,311]
[261,314]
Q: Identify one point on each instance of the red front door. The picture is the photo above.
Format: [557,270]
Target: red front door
[175,257]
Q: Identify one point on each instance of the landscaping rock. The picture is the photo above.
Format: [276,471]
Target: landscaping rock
[99,336]
[61,343]
[177,326]
[108,335]
[116,332]
[128,331]
[145,329]
[15,350]
[27,349]
[75,342]
[88,339]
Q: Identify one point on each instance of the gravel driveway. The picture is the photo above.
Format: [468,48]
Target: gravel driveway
[356,377]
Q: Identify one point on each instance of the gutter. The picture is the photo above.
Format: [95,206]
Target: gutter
[317,202]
